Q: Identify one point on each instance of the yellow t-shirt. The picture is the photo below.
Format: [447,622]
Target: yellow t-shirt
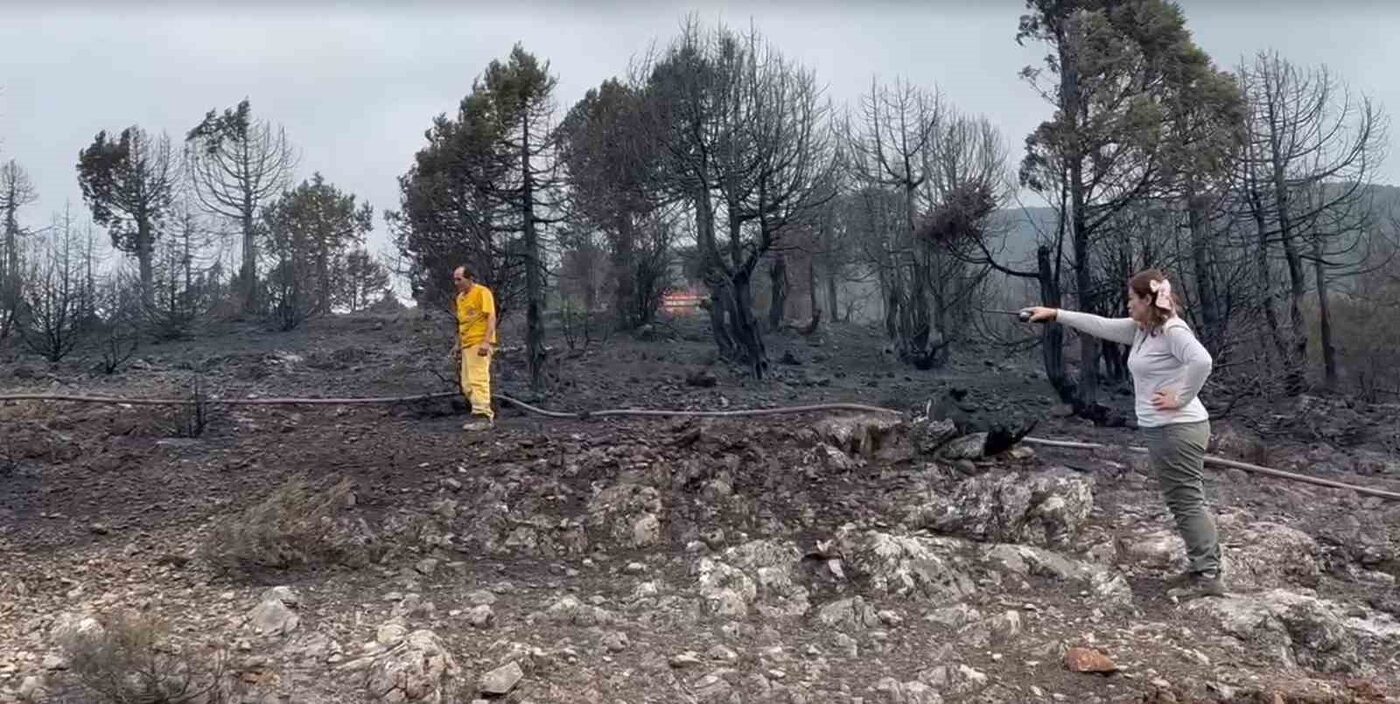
[473,308]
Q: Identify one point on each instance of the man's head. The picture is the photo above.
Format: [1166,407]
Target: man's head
[462,279]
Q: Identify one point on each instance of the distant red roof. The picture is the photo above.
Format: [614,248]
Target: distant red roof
[682,301]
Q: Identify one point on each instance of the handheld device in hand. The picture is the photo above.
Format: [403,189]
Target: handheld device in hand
[1021,315]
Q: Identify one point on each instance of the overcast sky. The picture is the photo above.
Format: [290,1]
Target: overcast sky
[356,85]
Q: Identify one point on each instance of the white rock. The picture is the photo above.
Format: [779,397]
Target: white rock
[909,566]
[272,617]
[481,597]
[720,652]
[390,633]
[646,531]
[501,680]
[568,609]
[847,645]
[1292,629]
[615,642]
[284,594]
[685,659]
[849,614]
[480,616]
[1006,626]
[70,626]
[955,616]
[419,668]
[1043,508]
[32,689]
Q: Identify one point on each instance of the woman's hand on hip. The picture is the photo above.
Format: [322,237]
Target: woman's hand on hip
[1166,400]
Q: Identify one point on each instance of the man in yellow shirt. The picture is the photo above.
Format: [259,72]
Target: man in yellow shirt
[476,336]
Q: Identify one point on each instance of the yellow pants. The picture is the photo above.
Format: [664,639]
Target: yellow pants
[476,381]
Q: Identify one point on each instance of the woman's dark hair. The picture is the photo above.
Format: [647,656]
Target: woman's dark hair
[1141,285]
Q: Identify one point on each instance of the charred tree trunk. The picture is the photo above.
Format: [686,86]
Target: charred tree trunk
[1115,360]
[914,334]
[832,304]
[9,266]
[1296,348]
[625,298]
[1208,300]
[1084,284]
[1052,347]
[1088,391]
[1295,362]
[777,302]
[732,320]
[892,294]
[713,274]
[720,306]
[534,284]
[1297,358]
[248,271]
[1268,300]
[145,251]
[743,324]
[1324,318]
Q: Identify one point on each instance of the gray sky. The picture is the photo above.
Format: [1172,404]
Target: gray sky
[355,86]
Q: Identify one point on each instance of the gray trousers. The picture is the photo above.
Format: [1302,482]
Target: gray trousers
[1178,455]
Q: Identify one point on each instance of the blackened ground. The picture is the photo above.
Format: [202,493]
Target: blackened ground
[665,560]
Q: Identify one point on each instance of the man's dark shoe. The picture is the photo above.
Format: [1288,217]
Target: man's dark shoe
[1199,584]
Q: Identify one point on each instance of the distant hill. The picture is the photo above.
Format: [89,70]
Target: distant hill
[1017,231]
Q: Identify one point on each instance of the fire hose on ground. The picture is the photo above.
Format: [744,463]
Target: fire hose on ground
[665,413]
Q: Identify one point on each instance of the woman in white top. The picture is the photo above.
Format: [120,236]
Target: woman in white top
[1169,366]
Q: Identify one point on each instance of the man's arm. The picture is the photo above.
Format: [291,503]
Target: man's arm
[488,308]
[457,329]
[490,334]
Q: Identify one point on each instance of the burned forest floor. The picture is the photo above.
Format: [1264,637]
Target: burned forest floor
[380,553]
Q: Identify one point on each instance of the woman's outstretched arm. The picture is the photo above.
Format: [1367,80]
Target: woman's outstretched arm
[1120,330]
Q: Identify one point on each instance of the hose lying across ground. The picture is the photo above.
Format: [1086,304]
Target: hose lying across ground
[1226,462]
[213,401]
[621,412]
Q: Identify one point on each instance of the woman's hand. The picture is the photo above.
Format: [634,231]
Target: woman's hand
[1039,314]
[1166,400]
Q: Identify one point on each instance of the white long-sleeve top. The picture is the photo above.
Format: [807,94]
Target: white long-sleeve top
[1171,358]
